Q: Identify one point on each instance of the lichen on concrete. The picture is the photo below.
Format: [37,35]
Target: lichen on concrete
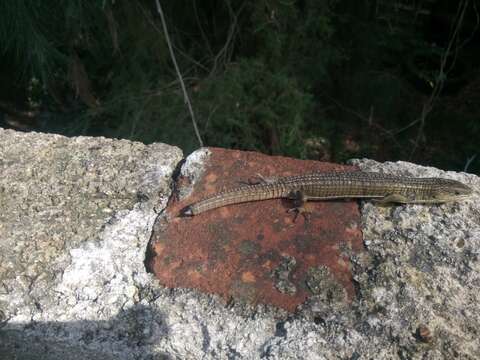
[193,168]
[76,215]
[423,270]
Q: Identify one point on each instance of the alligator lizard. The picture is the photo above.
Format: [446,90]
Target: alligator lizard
[334,185]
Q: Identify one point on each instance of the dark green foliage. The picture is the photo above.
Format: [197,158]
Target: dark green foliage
[251,107]
[329,79]
[37,36]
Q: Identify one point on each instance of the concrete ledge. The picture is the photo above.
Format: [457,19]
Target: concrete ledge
[76,216]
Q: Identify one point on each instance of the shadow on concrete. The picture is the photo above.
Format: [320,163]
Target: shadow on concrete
[132,334]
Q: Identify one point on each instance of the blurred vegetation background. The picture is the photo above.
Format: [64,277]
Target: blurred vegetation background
[317,79]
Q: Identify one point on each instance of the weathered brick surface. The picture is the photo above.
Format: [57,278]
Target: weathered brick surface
[255,251]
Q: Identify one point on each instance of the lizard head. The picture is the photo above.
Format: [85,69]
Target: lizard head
[451,190]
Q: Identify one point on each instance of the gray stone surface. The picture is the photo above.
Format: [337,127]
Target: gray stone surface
[75,219]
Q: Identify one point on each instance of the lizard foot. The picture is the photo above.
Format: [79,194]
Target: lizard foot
[300,211]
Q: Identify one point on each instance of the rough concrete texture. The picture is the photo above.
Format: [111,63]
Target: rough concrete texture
[256,252]
[75,219]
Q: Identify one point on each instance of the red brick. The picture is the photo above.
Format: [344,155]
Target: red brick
[243,251]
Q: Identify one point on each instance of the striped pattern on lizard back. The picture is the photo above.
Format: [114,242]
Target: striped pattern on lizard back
[334,185]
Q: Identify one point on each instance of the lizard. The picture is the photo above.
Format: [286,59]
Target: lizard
[382,188]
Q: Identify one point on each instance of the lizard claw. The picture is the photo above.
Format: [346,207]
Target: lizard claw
[300,211]
[299,200]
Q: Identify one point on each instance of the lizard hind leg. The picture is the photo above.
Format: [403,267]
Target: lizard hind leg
[299,199]
[259,179]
